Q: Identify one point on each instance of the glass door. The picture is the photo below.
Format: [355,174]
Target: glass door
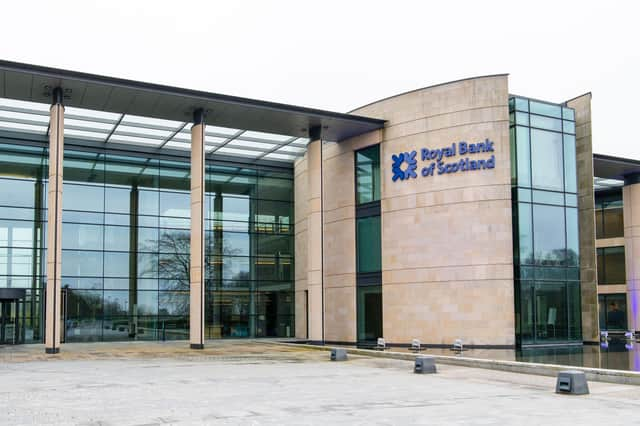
[11,322]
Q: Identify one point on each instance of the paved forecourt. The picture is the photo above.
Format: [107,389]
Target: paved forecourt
[262,383]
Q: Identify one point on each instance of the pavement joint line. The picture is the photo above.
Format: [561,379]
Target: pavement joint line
[551,370]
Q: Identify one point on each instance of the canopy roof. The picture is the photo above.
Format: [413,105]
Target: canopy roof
[114,110]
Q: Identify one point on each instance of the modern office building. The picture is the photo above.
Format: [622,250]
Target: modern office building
[134,211]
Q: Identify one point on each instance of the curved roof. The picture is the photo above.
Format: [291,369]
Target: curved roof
[428,87]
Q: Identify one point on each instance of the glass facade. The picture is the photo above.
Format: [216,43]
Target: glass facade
[23,173]
[545,220]
[368,245]
[125,244]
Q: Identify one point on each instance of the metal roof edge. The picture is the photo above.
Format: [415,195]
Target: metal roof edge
[172,90]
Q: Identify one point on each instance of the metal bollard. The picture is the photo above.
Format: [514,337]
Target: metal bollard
[572,382]
[338,354]
[425,365]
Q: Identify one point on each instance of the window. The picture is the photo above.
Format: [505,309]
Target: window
[613,311]
[547,160]
[368,244]
[368,174]
[611,266]
[609,216]
[125,244]
[548,235]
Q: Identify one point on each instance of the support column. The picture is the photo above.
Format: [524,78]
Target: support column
[631,217]
[54,225]
[196,293]
[315,229]
[586,214]
[133,261]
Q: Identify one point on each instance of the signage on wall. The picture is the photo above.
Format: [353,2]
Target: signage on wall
[440,161]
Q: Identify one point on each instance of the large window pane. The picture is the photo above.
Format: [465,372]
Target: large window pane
[87,167]
[175,204]
[523,156]
[83,197]
[545,123]
[118,200]
[575,310]
[525,234]
[551,311]
[275,189]
[17,193]
[547,160]
[81,263]
[525,320]
[611,265]
[613,311]
[549,235]
[368,174]
[117,238]
[573,241]
[545,109]
[570,176]
[148,202]
[368,244]
[236,209]
[613,223]
[77,236]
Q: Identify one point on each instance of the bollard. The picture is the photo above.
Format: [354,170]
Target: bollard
[338,354]
[572,382]
[416,346]
[425,365]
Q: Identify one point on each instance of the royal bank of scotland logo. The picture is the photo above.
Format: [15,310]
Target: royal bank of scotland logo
[410,171]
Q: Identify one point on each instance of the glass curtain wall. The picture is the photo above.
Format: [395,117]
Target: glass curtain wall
[546,244]
[250,239]
[368,245]
[23,215]
[125,245]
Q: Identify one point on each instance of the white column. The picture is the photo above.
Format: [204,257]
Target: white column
[54,226]
[197,268]
[315,239]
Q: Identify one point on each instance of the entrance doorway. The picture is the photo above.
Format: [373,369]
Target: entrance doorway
[12,316]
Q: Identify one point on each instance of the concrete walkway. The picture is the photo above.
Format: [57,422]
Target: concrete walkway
[261,383]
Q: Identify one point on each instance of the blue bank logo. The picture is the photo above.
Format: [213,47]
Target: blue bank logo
[443,160]
[410,171]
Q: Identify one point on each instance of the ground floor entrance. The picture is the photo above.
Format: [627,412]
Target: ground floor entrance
[12,316]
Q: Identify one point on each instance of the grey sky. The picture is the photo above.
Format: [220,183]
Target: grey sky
[338,55]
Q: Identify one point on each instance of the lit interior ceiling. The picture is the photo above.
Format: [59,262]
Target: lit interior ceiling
[602,184]
[155,133]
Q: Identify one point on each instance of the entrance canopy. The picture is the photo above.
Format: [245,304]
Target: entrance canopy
[609,171]
[118,111]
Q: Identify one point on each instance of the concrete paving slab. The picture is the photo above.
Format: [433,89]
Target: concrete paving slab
[260,383]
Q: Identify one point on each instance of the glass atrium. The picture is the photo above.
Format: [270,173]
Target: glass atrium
[545,222]
[126,219]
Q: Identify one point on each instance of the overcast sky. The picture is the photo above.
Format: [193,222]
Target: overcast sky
[339,55]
